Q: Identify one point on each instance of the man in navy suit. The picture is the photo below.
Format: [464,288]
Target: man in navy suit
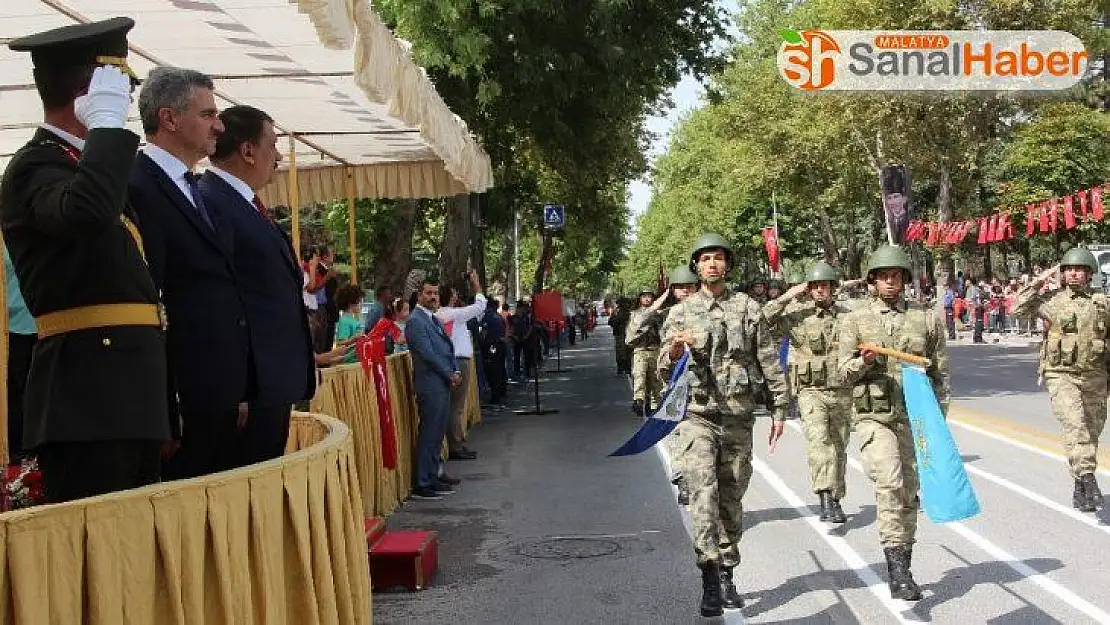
[269,279]
[188,249]
[434,373]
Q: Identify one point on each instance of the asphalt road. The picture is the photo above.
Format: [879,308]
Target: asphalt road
[546,529]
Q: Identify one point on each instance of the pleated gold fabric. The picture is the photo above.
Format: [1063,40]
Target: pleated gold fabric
[346,393]
[275,543]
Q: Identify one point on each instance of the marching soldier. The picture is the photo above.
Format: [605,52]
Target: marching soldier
[618,321]
[683,283]
[757,290]
[97,404]
[879,409]
[642,336]
[825,404]
[1074,363]
[730,354]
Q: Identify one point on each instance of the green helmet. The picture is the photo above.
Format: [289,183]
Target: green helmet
[682,275]
[647,290]
[707,241]
[823,272]
[889,256]
[1079,257]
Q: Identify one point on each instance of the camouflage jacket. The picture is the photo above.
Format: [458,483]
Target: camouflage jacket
[814,339]
[1078,322]
[643,328]
[877,388]
[731,356]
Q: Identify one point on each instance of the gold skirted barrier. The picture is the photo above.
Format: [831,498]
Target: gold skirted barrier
[275,543]
[346,393]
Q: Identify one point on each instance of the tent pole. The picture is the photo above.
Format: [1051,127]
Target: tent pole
[351,224]
[294,198]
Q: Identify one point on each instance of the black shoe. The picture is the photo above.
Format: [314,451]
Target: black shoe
[712,604]
[825,497]
[443,489]
[836,513]
[1079,496]
[462,454]
[1091,490]
[425,492]
[902,586]
[729,597]
[450,481]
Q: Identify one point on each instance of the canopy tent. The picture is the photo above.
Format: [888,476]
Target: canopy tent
[361,119]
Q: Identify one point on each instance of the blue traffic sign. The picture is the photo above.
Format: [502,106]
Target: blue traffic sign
[554,216]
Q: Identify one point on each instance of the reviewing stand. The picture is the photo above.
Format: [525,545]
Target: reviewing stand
[536,381]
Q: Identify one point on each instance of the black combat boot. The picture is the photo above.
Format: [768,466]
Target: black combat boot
[836,513]
[638,408]
[1079,496]
[729,597]
[901,581]
[711,601]
[825,497]
[1091,490]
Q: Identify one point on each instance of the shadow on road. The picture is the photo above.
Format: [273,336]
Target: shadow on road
[992,371]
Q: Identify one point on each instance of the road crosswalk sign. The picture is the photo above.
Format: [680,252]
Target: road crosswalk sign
[554,216]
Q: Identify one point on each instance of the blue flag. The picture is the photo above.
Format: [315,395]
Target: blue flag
[784,353]
[946,491]
[672,409]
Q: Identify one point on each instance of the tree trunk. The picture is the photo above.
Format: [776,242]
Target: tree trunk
[393,261]
[503,280]
[946,268]
[478,246]
[547,246]
[828,240]
[456,244]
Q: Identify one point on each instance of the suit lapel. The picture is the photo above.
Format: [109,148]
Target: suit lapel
[180,202]
[235,201]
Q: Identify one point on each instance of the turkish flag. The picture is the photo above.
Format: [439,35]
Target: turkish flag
[982,230]
[1096,203]
[1069,215]
[1003,230]
[771,244]
[934,230]
[1030,219]
[1083,205]
[1053,214]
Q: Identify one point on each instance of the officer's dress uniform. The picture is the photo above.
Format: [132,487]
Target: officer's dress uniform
[97,398]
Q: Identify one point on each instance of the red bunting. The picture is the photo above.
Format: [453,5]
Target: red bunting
[1030,219]
[933,231]
[1083,205]
[1096,204]
[371,353]
[1069,213]
[1003,229]
[982,230]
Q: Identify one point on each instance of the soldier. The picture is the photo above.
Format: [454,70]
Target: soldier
[879,408]
[683,284]
[98,405]
[618,321]
[642,336]
[757,290]
[1074,363]
[730,354]
[774,290]
[824,402]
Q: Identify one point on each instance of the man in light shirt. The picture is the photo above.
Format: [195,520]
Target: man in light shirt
[455,318]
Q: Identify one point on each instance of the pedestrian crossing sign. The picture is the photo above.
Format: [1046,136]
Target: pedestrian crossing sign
[554,216]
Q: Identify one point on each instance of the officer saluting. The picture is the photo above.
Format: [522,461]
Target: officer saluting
[96,399]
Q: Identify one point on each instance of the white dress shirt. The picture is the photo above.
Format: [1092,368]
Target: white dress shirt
[241,187]
[460,334]
[71,139]
[172,166]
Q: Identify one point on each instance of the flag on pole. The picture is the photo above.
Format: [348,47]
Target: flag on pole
[771,243]
[672,409]
[946,491]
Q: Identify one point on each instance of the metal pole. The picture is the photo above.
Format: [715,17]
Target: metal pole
[516,254]
[294,198]
[351,224]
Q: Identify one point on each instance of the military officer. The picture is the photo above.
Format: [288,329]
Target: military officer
[683,283]
[642,336]
[1074,363]
[879,409]
[730,354]
[824,402]
[97,398]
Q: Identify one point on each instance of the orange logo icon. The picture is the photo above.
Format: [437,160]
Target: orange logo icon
[807,59]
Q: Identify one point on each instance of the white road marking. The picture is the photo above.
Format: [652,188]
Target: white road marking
[1016,443]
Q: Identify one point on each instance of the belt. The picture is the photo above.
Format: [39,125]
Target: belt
[98,316]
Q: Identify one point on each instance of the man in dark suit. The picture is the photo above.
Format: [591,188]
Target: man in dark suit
[96,396]
[269,280]
[190,256]
[434,374]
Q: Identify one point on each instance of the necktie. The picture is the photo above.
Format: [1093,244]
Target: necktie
[191,180]
[261,207]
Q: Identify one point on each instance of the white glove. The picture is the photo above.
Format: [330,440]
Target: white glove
[107,101]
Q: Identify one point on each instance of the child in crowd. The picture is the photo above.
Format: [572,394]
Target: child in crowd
[349,300]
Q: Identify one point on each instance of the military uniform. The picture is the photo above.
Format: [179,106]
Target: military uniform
[642,336]
[730,356]
[97,396]
[823,400]
[1074,366]
[619,323]
[678,276]
[879,409]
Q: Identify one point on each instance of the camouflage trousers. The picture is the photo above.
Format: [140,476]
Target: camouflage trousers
[646,383]
[1079,404]
[826,421]
[673,443]
[716,462]
[888,457]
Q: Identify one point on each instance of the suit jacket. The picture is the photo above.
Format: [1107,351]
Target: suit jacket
[209,345]
[63,218]
[270,282]
[433,355]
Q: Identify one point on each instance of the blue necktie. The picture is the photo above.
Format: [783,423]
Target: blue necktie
[191,180]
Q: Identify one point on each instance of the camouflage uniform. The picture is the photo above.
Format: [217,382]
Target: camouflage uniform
[732,352]
[1074,365]
[619,323]
[642,336]
[825,404]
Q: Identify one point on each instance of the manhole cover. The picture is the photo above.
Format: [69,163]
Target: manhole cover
[570,548]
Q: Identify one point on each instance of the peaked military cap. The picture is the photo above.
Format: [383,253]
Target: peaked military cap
[95,43]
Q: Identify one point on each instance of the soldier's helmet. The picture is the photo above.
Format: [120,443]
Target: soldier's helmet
[887,257]
[682,275]
[822,272]
[1079,257]
[709,241]
[646,290]
[758,280]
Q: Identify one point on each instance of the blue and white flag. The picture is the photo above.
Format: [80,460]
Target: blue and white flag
[672,409]
[946,491]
